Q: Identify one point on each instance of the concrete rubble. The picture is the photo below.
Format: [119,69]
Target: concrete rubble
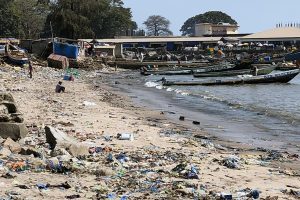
[11,121]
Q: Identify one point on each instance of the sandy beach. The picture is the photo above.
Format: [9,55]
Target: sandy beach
[159,161]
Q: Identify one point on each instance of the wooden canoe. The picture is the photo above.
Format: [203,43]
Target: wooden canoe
[212,68]
[266,69]
[282,77]
[15,55]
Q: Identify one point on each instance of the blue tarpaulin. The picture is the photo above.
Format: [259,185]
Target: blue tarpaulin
[170,46]
[68,50]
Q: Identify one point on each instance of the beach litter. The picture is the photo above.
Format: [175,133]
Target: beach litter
[231,162]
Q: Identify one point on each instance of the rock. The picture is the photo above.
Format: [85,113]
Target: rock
[196,122]
[104,172]
[54,137]
[9,175]
[59,139]
[6,97]
[1,140]
[12,145]
[231,162]
[78,150]
[65,158]
[59,152]
[3,109]
[31,151]
[11,107]
[17,117]
[4,152]
[13,130]
[185,191]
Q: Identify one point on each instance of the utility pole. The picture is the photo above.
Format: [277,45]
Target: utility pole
[52,37]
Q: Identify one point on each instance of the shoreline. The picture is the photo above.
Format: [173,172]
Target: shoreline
[234,131]
[159,145]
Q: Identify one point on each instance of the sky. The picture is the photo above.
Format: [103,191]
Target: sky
[252,15]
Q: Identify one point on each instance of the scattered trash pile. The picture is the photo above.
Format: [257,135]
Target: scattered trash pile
[147,173]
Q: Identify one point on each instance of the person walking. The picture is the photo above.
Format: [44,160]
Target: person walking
[30,69]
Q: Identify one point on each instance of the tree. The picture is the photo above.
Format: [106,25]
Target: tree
[157,25]
[32,16]
[9,20]
[89,19]
[22,19]
[213,17]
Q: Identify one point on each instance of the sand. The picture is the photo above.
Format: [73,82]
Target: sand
[89,113]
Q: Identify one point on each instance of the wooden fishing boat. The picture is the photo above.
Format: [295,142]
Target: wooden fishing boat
[214,68]
[167,72]
[16,55]
[286,66]
[262,70]
[220,67]
[282,77]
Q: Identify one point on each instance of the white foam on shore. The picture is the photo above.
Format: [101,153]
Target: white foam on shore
[151,84]
[183,93]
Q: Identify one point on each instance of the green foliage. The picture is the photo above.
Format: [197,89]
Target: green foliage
[157,25]
[32,17]
[213,17]
[70,18]
[22,19]
[9,20]
[89,19]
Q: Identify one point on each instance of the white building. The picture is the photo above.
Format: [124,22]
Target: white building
[220,29]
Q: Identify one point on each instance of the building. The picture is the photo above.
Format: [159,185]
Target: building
[220,29]
[282,35]
[169,43]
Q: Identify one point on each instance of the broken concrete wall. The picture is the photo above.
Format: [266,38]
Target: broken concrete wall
[11,121]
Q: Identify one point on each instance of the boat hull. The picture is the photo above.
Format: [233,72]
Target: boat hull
[16,56]
[213,68]
[282,77]
[261,71]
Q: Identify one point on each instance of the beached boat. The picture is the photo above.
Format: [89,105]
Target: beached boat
[213,68]
[282,77]
[15,54]
[167,72]
[262,70]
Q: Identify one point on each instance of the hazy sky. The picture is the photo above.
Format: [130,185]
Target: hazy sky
[251,15]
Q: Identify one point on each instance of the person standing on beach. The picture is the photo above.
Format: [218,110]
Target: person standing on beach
[30,69]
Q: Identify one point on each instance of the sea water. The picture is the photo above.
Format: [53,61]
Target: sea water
[262,115]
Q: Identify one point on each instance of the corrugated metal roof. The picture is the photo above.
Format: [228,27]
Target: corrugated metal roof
[285,33]
[160,39]
[7,40]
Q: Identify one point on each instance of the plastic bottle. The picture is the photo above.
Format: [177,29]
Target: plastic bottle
[125,136]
